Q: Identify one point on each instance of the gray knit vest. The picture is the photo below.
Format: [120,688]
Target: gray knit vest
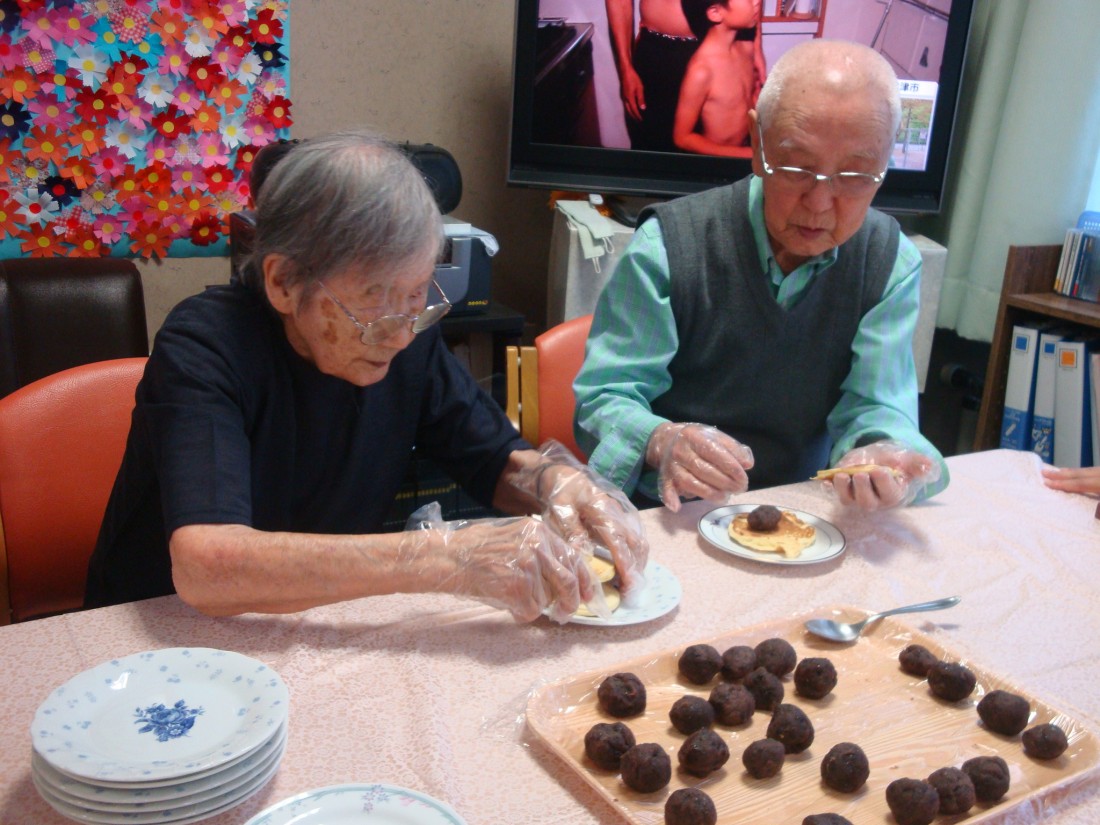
[768,376]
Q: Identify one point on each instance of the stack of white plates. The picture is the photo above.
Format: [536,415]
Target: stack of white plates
[168,736]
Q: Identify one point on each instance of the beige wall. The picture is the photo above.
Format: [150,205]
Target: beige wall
[432,71]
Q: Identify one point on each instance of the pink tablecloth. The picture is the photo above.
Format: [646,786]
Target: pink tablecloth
[429,692]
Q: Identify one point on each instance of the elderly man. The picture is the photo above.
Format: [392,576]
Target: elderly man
[277,417]
[759,332]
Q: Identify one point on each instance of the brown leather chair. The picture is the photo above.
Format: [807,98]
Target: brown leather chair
[540,400]
[56,313]
[61,444]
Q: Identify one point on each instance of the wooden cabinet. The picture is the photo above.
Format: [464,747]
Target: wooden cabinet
[1026,295]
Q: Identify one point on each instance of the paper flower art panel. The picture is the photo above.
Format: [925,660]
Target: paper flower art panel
[128,127]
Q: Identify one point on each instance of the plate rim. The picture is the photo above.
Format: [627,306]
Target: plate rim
[839,541]
[264,816]
[652,567]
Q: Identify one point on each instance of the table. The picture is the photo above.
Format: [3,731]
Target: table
[428,692]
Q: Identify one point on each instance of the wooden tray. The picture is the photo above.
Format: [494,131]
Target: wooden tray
[904,730]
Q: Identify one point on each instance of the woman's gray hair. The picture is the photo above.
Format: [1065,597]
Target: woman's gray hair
[344,199]
[862,71]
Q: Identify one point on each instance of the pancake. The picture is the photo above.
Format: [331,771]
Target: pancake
[854,468]
[790,537]
[606,575]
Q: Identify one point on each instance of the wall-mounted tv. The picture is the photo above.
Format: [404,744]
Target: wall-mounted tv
[572,131]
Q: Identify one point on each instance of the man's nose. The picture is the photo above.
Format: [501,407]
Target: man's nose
[820,196]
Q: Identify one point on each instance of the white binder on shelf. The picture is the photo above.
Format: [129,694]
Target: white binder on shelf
[1072,404]
[1042,418]
[1020,388]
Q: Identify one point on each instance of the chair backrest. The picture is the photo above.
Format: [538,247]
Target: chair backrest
[61,444]
[57,313]
[540,383]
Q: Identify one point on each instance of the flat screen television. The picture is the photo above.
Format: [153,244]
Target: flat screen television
[569,127]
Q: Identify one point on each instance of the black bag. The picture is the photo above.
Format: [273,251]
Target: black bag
[439,169]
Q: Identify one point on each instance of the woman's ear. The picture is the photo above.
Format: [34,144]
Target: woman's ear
[277,270]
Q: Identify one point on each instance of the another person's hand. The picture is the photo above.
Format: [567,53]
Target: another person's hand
[1072,480]
[589,513]
[908,473]
[697,461]
[633,93]
[518,564]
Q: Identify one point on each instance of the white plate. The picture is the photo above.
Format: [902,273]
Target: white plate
[101,798]
[661,594]
[714,527]
[174,816]
[159,715]
[355,804]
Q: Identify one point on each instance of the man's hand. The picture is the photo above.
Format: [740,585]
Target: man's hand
[697,461]
[898,476]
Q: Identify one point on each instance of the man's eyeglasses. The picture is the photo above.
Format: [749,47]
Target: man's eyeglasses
[795,178]
[389,325]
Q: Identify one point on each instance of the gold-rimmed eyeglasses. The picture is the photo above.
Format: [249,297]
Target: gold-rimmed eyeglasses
[389,325]
[795,178]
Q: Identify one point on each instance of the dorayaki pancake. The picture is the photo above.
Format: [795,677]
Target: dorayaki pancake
[605,574]
[854,468]
[790,537]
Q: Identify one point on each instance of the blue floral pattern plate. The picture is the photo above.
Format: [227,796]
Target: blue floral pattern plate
[661,595]
[359,805]
[162,714]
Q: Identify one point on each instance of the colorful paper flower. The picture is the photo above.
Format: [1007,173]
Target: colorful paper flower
[34,206]
[229,95]
[125,138]
[206,119]
[108,162]
[77,169]
[39,241]
[98,199]
[205,229]
[205,74]
[45,110]
[128,26]
[62,190]
[11,16]
[19,84]
[186,97]
[9,218]
[197,41]
[278,113]
[15,120]
[218,177]
[90,64]
[188,176]
[108,229]
[156,89]
[266,28]
[211,151]
[96,107]
[63,84]
[38,26]
[10,55]
[73,25]
[45,144]
[150,240]
[170,25]
[37,58]
[270,54]
[171,123]
[155,179]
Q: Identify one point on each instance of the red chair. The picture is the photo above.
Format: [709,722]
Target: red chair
[61,444]
[540,400]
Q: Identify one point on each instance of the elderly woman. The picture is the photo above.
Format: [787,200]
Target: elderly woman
[277,418]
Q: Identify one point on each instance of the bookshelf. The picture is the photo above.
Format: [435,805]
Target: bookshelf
[1026,295]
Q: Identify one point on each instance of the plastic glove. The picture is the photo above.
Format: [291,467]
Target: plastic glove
[697,461]
[590,513]
[518,564]
[880,489]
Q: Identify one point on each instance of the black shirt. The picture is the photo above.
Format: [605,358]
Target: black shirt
[232,426]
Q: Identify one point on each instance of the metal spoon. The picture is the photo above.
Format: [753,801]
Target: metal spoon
[843,632]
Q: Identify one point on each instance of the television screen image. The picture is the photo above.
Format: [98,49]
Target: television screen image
[651,97]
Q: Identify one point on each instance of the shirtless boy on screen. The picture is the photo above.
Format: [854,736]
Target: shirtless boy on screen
[722,80]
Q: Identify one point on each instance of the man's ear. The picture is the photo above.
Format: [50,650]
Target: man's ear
[754,138]
[277,270]
[714,13]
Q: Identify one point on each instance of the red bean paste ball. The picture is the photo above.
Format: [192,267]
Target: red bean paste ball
[699,663]
[912,801]
[733,704]
[845,767]
[989,775]
[622,694]
[917,660]
[690,806]
[764,519]
[826,819]
[951,681]
[765,688]
[606,742]
[956,790]
[646,767]
[791,726]
[703,752]
[814,678]
[1045,742]
[738,662]
[776,656]
[763,758]
[1004,712]
[691,713]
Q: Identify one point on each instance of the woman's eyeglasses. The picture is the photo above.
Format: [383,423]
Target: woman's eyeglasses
[389,325]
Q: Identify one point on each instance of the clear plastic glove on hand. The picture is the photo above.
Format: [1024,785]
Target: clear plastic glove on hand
[900,475]
[518,564]
[697,461]
[590,513]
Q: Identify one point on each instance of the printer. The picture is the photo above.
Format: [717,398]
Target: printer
[463,271]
